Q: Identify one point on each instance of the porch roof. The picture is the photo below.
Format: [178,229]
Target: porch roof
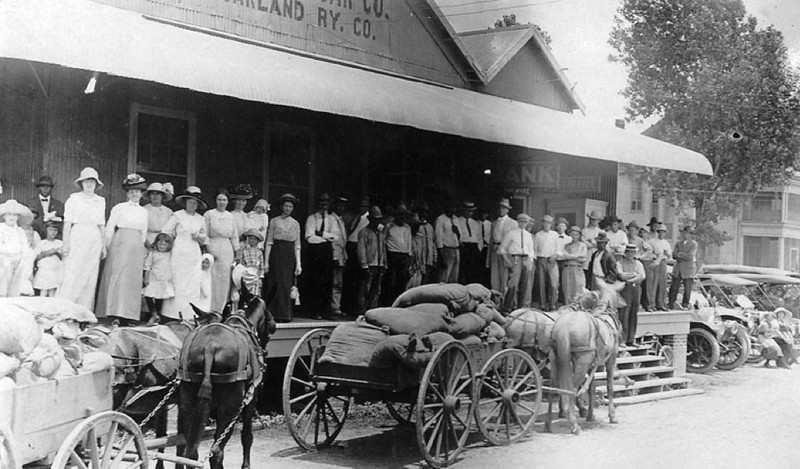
[85,35]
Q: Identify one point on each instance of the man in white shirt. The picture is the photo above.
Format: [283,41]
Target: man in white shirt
[517,252]
[322,230]
[500,227]
[448,238]
[662,250]
[545,243]
[563,240]
[471,245]
[354,223]
[617,239]
[631,271]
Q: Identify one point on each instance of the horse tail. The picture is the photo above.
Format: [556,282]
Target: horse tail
[204,394]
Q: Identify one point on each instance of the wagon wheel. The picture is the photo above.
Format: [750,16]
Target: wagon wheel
[667,355]
[702,350]
[404,412]
[755,351]
[735,350]
[8,452]
[105,440]
[510,397]
[314,416]
[445,404]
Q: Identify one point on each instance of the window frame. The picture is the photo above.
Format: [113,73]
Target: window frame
[133,135]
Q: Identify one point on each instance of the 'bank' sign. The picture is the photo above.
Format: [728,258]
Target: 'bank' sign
[543,174]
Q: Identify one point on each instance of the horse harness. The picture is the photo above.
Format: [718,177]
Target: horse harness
[250,353]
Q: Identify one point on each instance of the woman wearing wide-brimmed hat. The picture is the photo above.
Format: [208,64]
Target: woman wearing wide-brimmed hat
[188,230]
[84,240]
[157,214]
[282,256]
[14,246]
[239,195]
[120,294]
[223,243]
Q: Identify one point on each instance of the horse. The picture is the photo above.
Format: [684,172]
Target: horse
[582,340]
[220,370]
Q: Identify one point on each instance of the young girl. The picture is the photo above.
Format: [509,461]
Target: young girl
[49,268]
[259,220]
[253,260]
[204,302]
[158,277]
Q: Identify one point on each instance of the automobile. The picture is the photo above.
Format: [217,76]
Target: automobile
[776,291]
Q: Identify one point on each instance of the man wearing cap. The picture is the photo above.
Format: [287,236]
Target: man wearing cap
[448,240]
[322,229]
[630,271]
[684,269]
[354,222]
[588,235]
[657,284]
[371,258]
[545,243]
[517,251]
[603,265]
[471,245]
[45,205]
[500,228]
[617,239]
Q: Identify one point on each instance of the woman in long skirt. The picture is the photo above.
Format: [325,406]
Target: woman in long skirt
[573,278]
[14,246]
[223,244]
[126,231]
[84,240]
[188,229]
[282,254]
[157,214]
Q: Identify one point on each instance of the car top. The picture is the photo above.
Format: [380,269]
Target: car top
[771,279]
[726,280]
[745,269]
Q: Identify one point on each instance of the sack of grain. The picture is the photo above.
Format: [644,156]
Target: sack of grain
[50,310]
[96,361]
[454,295]
[19,333]
[409,350]
[490,314]
[352,344]
[46,357]
[466,324]
[496,331]
[8,365]
[433,308]
[407,320]
[478,292]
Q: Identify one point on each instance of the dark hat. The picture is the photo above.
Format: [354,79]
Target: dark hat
[467,205]
[192,192]
[342,200]
[653,221]
[601,237]
[375,212]
[413,219]
[287,197]
[325,197]
[614,218]
[241,191]
[633,224]
[45,181]
[504,202]
[134,181]
[562,220]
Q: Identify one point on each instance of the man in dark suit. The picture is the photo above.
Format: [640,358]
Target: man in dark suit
[603,264]
[684,270]
[45,205]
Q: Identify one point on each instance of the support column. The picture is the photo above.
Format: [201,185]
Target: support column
[678,344]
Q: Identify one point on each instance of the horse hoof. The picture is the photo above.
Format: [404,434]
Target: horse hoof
[613,420]
[576,430]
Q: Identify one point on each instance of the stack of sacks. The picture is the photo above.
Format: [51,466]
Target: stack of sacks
[353,343]
[38,340]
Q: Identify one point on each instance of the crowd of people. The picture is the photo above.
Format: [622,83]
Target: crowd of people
[354,258]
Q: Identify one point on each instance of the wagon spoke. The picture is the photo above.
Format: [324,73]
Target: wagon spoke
[498,379]
[516,416]
[435,434]
[333,413]
[484,402]
[93,450]
[526,408]
[448,428]
[529,392]
[324,416]
[307,384]
[463,386]
[433,405]
[523,380]
[316,424]
[432,419]
[304,412]
[438,394]
[303,397]
[133,465]
[340,399]
[305,366]
[110,438]
[122,450]
[492,388]
[460,420]
[76,460]
[490,414]
[454,378]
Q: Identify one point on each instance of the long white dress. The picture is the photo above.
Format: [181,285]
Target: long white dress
[223,241]
[82,264]
[185,260]
[13,249]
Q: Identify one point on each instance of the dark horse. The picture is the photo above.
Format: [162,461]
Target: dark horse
[219,364]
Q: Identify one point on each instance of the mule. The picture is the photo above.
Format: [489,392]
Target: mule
[581,341]
[219,364]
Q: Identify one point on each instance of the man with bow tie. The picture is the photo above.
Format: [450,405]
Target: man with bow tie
[45,205]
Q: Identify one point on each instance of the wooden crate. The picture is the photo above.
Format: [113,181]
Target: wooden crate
[41,415]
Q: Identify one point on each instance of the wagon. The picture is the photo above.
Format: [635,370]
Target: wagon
[65,420]
[500,387]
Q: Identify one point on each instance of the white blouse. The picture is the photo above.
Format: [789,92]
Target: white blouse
[13,241]
[127,215]
[81,208]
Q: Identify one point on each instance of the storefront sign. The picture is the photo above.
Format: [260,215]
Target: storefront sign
[531,175]
[581,184]
[519,191]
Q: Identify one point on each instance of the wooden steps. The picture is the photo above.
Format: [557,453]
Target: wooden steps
[642,377]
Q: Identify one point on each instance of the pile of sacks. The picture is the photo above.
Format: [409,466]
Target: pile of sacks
[419,322]
[39,341]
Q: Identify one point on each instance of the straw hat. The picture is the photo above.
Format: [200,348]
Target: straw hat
[192,192]
[504,202]
[88,173]
[594,215]
[253,233]
[287,197]
[524,217]
[11,206]
[573,229]
[661,227]
[134,181]
[547,219]
[157,187]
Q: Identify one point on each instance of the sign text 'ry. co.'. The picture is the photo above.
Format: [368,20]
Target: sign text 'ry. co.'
[355,19]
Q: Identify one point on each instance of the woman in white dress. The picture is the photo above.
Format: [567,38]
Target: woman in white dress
[223,244]
[126,230]
[240,194]
[84,240]
[157,214]
[14,247]
[188,230]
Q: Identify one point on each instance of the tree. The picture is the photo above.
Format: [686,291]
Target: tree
[721,86]
[511,20]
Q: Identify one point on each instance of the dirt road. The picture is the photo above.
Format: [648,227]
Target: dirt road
[747,418]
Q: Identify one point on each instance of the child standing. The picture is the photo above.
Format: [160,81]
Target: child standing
[204,302]
[158,276]
[253,259]
[49,268]
[259,220]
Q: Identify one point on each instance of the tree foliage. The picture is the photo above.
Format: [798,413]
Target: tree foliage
[721,86]
[511,20]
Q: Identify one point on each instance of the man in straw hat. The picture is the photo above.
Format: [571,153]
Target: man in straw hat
[644,253]
[471,244]
[602,264]
[657,283]
[47,206]
[631,271]
[322,229]
[500,228]
[545,242]
[517,251]
[448,240]
[684,269]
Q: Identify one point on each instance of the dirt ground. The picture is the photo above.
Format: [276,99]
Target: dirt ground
[747,418]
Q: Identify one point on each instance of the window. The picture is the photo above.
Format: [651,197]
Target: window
[761,251]
[637,196]
[655,206]
[161,146]
[764,207]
